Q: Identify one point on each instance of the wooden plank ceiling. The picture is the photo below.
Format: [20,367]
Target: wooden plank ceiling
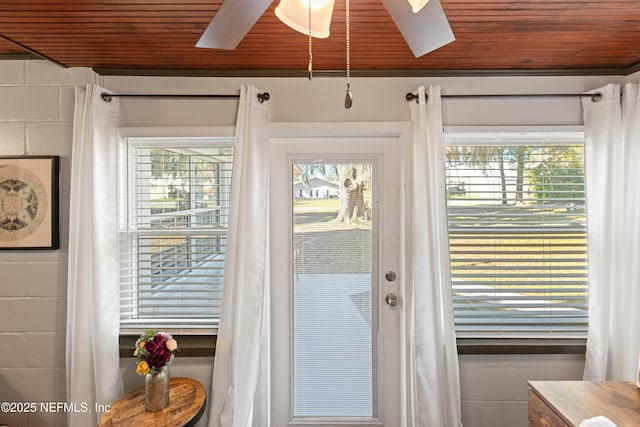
[159,36]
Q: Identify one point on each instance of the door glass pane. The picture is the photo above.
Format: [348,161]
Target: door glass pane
[334,355]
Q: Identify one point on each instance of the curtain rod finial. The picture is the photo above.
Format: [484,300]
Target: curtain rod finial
[410,97]
[265,96]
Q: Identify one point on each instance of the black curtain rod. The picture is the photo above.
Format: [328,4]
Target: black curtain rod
[108,96]
[595,97]
[265,96]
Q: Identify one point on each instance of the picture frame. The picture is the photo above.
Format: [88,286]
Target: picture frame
[29,202]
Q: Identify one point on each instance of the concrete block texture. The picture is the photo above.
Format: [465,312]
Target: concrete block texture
[40,314]
[29,103]
[49,138]
[13,350]
[33,279]
[13,72]
[12,138]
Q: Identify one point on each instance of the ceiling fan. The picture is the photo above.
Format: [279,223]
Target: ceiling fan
[425,30]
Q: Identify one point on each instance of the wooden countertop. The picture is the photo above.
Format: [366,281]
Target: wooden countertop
[575,401]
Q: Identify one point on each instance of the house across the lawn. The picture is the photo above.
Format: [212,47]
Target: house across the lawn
[317,188]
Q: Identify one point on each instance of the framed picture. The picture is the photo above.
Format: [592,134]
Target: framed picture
[29,202]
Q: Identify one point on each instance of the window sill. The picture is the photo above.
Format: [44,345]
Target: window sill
[188,345]
[521,346]
[205,346]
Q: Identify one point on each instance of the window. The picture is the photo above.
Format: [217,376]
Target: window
[517,233]
[174,208]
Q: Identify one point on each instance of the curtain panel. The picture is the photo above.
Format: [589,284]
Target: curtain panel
[612,155]
[93,307]
[433,385]
[238,349]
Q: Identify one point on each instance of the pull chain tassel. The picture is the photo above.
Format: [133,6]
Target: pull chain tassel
[348,99]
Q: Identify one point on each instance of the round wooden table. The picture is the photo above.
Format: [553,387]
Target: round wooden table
[187,400]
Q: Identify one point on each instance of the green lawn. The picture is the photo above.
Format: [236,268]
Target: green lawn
[324,246]
[316,205]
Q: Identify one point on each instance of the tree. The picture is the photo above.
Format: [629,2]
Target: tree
[559,176]
[354,180]
[520,153]
[170,170]
[483,157]
[303,172]
[182,175]
[487,157]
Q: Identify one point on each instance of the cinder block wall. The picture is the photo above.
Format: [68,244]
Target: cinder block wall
[36,118]
[36,113]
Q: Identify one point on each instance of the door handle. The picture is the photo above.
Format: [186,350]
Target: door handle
[391,300]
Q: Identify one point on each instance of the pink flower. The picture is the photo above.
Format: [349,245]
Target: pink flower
[171,344]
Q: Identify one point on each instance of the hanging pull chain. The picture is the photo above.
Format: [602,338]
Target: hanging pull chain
[310,67]
[348,99]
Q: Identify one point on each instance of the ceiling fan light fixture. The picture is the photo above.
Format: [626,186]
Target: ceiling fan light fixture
[295,14]
[416,5]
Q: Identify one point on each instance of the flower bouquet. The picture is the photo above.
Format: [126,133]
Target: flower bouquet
[154,350]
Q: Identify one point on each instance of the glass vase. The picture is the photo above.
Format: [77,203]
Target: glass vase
[156,390]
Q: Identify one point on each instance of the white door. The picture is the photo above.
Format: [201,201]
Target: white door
[336,283]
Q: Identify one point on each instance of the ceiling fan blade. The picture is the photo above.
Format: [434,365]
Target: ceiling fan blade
[231,23]
[424,31]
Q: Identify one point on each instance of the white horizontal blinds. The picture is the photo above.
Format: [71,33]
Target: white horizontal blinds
[173,234]
[517,236]
[333,360]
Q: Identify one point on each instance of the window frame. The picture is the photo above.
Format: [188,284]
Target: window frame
[518,343]
[175,132]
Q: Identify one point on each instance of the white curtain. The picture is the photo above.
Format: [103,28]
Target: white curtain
[432,360]
[92,355]
[237,360]
[612,156]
